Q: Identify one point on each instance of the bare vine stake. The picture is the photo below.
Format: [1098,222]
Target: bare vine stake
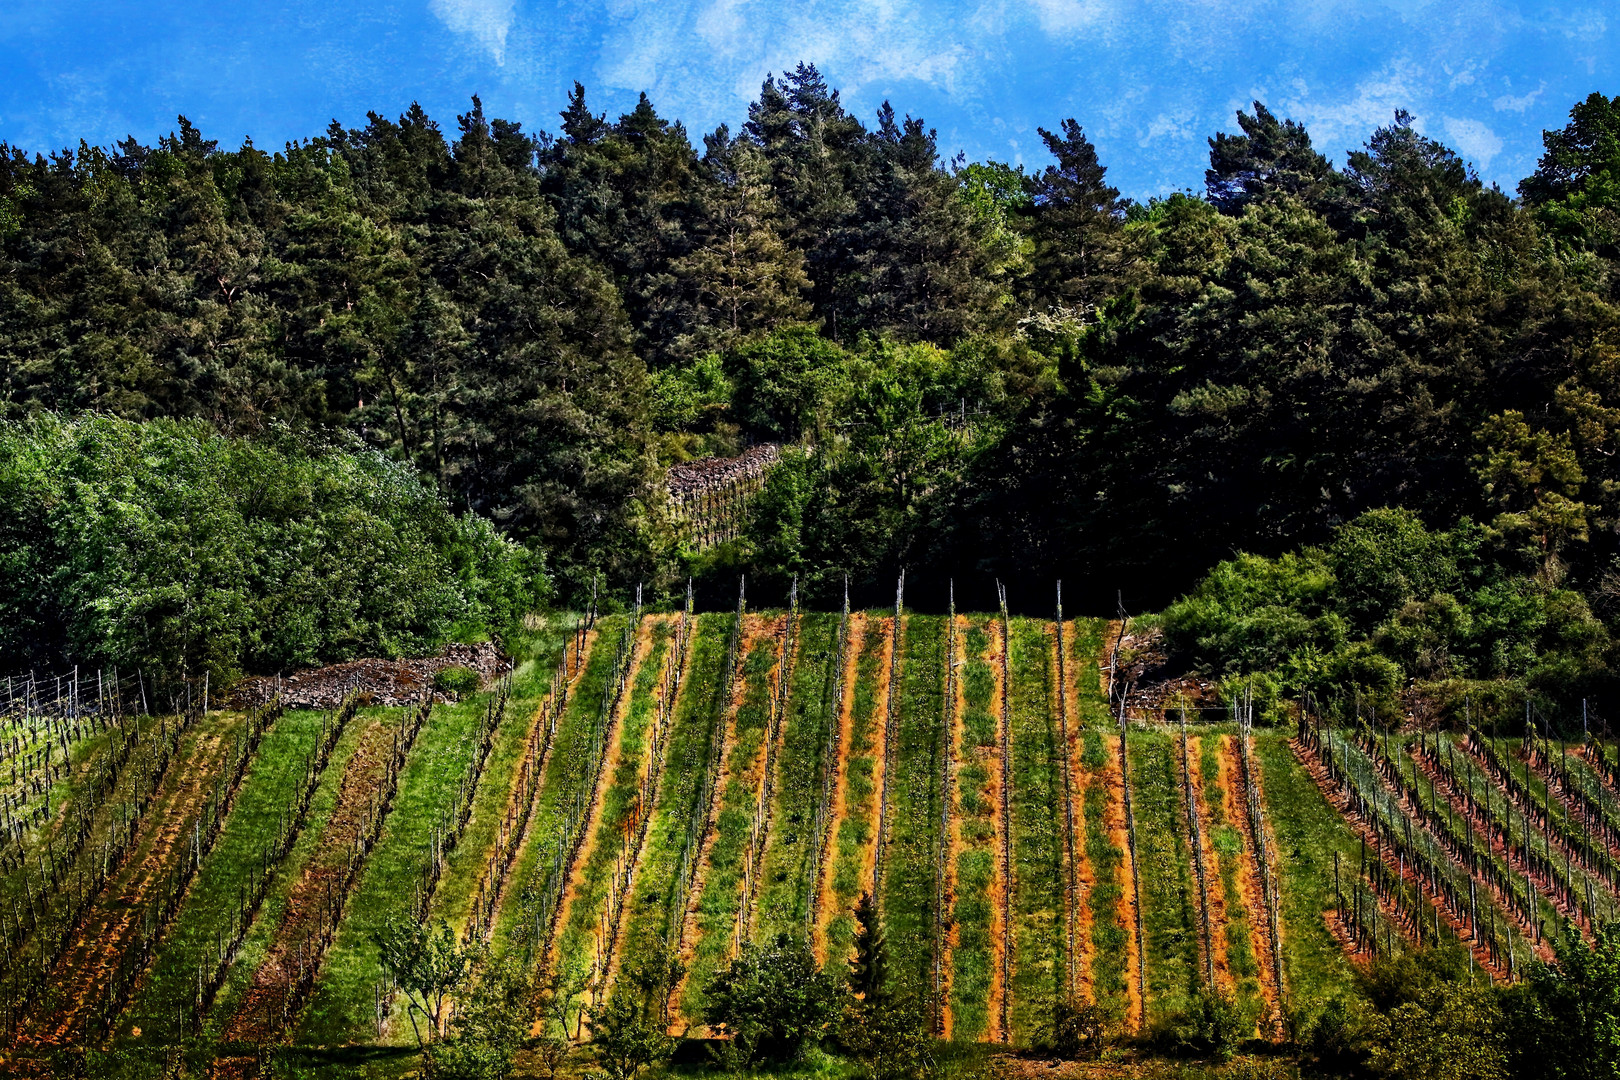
[1005,739]
[891,719]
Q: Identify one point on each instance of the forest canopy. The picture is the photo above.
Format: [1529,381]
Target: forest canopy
[976,368]
[167,547]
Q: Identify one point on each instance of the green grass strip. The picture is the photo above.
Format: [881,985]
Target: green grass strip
[679,808]
[1037,932]
[912,851]
[722,878]
[784,888]
[1110,938]
[576,953]
[1169,919]
[262,935]
[860,794]
[1227,840]
[538,653]
[521,924]
[975,862]
[1308,830]
[342,1007]
[231,869]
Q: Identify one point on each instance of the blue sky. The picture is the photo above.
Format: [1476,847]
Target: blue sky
[1149,81]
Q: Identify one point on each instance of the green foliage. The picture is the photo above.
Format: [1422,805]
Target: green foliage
[489,1024]
[772,1000]
[889,1037]
[626,1039]
[455,679]
[1451,1032]
[164,545]
[427,966]
[1387,602]
[1564,1020]
[1077,1030]
[1212,1025]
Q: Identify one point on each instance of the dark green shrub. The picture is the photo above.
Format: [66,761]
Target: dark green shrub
[772,1000]
[456,680]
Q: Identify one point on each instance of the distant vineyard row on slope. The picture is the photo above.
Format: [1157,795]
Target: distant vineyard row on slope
[673,786]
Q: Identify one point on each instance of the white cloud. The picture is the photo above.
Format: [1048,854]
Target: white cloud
[1344,124]
[1067,16]
[485,21]
[1477,142]
[1509,103]
[861,46]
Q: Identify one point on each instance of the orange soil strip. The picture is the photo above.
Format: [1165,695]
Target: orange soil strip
[753,628]
[1335,796]
[110,927]
[669,708]
[1000,932]
[1080,969]
[953,835]
[299,940]
[1114,778]
[1215,893]
[880,745]
[846,735]
[604,779]
[1248,877]
[537,744]
[780,685]
[1487,830]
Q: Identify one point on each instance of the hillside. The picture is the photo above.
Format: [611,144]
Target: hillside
[676,785]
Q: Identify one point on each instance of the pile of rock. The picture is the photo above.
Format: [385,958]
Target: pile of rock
[386,682]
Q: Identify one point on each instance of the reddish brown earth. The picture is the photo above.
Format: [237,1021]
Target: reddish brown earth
[1248,875]
[846,733]
[299,941]
[111,925]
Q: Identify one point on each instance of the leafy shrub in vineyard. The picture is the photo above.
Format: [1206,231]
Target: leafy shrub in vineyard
[167,546]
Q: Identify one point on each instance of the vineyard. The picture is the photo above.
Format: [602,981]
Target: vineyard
[653,791]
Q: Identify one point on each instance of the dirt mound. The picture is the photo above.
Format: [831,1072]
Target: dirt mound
[389,682]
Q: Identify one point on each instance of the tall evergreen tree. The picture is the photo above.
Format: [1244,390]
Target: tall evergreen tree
[1076,222]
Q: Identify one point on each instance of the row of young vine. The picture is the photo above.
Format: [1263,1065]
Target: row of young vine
[69,880]
[162,905]
[298,977]
[514,828]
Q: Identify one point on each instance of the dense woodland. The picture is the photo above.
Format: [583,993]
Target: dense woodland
[976,369]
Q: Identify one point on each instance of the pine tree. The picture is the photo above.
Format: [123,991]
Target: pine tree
[868,970]
[1076,224]
[740,279]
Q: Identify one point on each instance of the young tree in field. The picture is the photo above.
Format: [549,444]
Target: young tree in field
[625,1038]
[1563,1021]
[428,966]
[772,1000]
[491,1018]
[889,1036]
